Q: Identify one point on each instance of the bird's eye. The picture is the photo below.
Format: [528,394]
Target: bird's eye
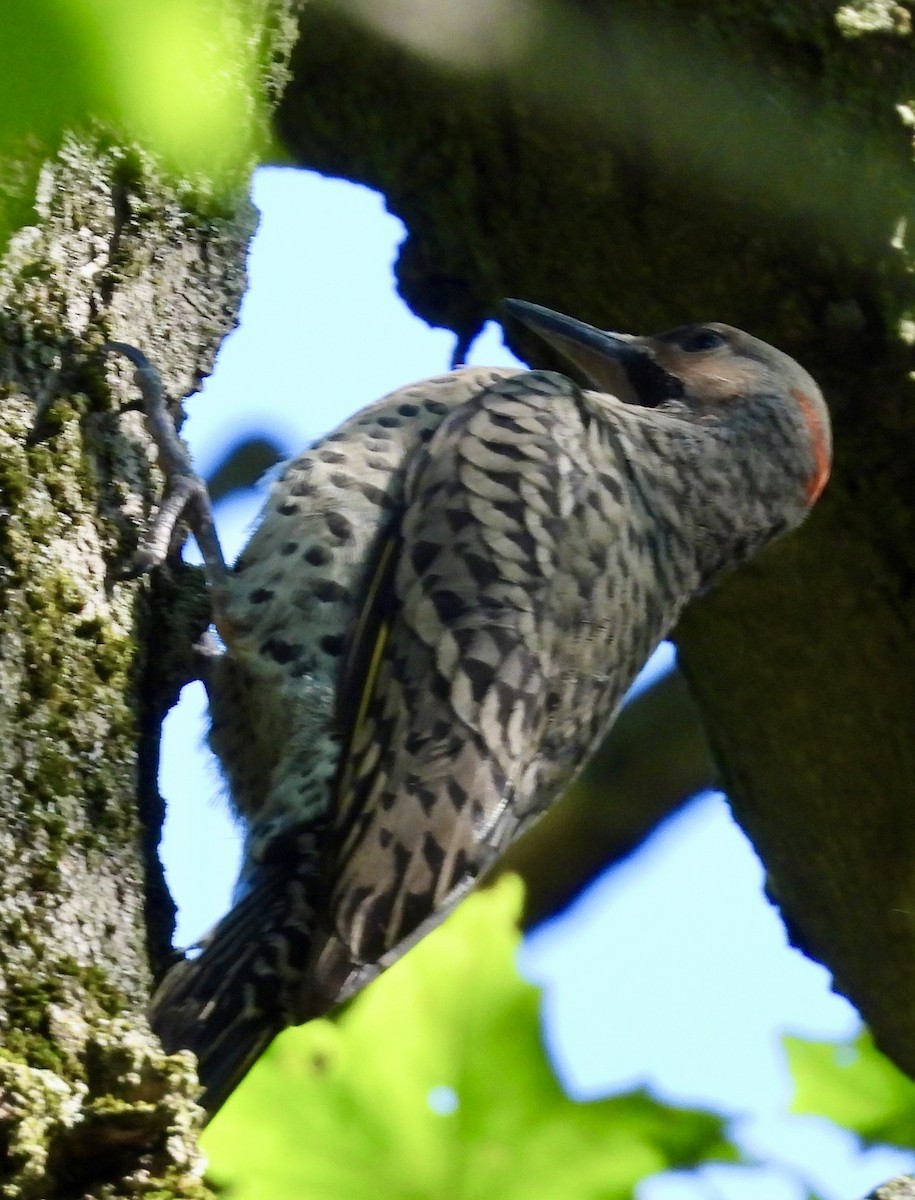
[703,339]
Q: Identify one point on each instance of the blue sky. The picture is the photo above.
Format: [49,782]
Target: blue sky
[671,970]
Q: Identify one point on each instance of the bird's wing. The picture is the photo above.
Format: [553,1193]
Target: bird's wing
[448,706]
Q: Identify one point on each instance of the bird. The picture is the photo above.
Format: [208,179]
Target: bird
[433,627]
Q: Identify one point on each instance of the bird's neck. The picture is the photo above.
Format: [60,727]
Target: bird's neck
[724,487]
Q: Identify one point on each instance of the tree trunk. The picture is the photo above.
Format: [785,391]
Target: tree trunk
[90,660]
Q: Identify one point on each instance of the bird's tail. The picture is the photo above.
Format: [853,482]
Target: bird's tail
[227,1004]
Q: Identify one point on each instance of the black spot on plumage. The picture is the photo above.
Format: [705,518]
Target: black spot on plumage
[302,487]
[402,858]
[261,596]
[453,746]
[458,518]
[408,410]
[331,456]
[449,605]
[503,639]
[377,463]
[433,853]
[507,697]
[329,590]
[436,407]
[384,838]
[415,910]
[424,795]
[389,422]
[376,495]
[338,525]
[439,687]
[505,449]
[464,639]
[506,479]
[332,643]
[524,541]
[280,651]
[340,479]
[456,794]
[289,548]
[422,555]
[515,510]
[649,440]
[506,422]
[480,675]
[426,435]
[597,555]
[287,509]
[611,483]
[635,539]
[318,556]
[415,743]
[459,870]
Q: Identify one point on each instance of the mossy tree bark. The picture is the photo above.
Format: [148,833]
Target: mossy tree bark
[90,1104]
[90,658]
[641,163]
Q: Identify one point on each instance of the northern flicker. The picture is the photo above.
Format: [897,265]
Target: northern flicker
[434,625]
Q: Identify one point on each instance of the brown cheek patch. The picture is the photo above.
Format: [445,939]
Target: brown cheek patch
[818,441]
[714,378]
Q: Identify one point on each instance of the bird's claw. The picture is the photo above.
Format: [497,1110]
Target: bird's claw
[186,495]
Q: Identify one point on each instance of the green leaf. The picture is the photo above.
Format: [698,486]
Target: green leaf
[346,1110]
[180,76]
[856,1086]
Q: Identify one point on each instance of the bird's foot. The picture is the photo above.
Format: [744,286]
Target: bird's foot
[186,496]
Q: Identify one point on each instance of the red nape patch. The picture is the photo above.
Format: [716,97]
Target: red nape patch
[819,443]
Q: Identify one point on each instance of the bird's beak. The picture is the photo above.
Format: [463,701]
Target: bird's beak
[612,362]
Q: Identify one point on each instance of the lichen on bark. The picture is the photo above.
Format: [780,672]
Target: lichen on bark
[115,246]
[116,250]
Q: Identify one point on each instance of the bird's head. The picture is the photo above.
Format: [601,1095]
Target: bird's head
[707,368]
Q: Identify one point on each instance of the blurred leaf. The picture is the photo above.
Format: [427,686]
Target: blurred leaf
[856,1086]
[434,1083]
[180,76]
